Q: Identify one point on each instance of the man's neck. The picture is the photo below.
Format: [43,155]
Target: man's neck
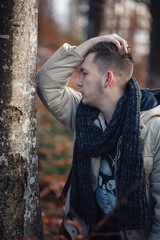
[108,106]
[108,112]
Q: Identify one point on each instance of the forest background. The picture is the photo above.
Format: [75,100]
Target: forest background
[59,21]
[136,21]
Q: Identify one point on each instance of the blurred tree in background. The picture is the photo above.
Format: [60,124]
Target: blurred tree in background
[95,17]
[154,57]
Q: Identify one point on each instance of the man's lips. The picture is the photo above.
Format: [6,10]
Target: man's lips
[82,94]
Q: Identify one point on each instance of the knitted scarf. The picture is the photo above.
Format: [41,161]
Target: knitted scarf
[91,141]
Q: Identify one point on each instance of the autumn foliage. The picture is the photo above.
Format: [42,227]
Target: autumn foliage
[54,140]
[30,238]
[55,158]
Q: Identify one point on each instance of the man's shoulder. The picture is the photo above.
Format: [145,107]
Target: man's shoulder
[152,115]
[151,121]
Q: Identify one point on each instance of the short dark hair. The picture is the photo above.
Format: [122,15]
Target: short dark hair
[108,56]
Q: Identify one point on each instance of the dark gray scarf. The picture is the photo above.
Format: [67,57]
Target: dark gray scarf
[91,141]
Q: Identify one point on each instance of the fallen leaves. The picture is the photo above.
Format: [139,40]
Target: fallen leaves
[74,223]
[55,159]
[30,238]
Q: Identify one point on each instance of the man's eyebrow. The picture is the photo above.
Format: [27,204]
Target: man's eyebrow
[83,69]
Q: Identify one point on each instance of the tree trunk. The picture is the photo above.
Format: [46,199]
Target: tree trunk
[154,57]
[95,17]
[20,215]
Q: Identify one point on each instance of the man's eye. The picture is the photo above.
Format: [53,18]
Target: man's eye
[85,74]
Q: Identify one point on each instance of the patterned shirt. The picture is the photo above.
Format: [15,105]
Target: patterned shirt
[106,191]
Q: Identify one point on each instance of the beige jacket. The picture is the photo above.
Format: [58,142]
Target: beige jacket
[62,102]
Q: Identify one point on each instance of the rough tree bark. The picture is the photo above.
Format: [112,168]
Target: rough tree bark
[20,215]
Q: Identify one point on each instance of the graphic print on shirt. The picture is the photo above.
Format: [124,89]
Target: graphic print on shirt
[105,193]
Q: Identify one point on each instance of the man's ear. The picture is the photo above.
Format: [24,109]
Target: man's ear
[109,78]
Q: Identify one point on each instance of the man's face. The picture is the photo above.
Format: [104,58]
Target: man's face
[91,82]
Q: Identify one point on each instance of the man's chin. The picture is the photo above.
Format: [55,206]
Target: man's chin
[85,102]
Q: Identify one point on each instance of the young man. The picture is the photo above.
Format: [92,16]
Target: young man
[115,174]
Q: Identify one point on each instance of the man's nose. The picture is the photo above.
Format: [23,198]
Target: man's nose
[79,81]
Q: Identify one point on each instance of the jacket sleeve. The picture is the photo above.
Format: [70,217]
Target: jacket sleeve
[155,178]
[52,88]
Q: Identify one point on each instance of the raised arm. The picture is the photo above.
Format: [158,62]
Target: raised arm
[53,77]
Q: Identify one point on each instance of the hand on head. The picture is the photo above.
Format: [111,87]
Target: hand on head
[121,43]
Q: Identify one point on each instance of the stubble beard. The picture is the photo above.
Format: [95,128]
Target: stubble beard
[100,89]
[98,92]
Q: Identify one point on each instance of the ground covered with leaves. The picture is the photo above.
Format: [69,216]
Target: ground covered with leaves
[55,158]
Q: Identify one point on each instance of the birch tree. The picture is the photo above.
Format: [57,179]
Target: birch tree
[20,215]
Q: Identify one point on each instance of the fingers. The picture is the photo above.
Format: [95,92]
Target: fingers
[121,43]
[125,47]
